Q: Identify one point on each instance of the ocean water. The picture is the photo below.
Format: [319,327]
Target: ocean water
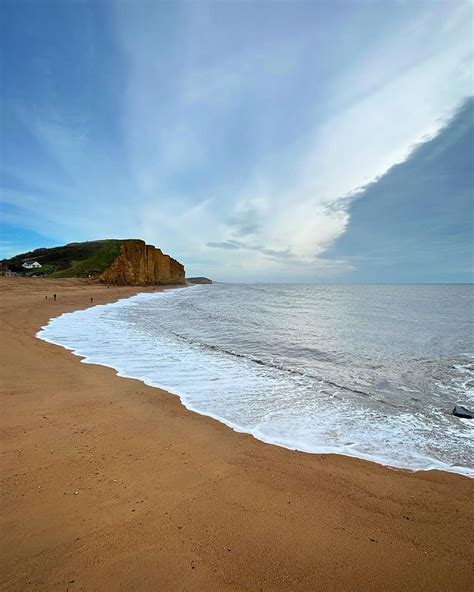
[371,371]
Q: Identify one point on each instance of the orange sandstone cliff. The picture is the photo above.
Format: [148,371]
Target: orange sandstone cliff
[139,264]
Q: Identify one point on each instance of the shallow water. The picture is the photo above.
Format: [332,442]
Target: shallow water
[368,371]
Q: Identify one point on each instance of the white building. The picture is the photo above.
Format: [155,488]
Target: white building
[31,265]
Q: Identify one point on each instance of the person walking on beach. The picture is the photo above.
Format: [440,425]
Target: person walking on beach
[54,296]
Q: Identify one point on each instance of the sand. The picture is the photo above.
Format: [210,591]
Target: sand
[108,484]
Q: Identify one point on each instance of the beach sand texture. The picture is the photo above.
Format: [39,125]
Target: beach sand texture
[108,484]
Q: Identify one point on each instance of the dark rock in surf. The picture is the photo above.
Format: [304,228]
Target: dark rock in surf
[460,411]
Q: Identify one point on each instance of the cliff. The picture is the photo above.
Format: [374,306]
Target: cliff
[140,265]
[112,261]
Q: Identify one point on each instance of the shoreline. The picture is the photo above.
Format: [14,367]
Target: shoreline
[122,372]
[171,499]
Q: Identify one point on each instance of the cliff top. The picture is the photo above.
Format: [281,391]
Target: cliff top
[71,260]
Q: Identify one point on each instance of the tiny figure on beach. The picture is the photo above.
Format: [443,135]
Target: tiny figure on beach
[46,297]
[92,300]
[54,296]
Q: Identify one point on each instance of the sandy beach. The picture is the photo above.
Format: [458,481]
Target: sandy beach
[108,484]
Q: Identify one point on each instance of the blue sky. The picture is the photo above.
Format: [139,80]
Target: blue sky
[270,141]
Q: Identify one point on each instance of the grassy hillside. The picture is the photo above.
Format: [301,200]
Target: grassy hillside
[72,260]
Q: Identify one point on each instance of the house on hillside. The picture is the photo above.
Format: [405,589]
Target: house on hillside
[31,265]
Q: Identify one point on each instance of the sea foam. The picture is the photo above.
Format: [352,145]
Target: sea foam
[288,409]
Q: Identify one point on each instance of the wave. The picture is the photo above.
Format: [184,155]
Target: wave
[277,366]
[276,404]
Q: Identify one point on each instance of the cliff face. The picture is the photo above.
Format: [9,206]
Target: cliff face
[140,265]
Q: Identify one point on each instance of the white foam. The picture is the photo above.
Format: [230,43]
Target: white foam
[290,411]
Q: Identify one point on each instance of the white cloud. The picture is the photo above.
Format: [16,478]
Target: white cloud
[253,139]
[291,201]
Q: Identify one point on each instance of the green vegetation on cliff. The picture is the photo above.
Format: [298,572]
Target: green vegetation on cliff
[72,260]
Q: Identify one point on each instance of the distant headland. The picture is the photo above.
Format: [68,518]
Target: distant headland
[198,280]
[128,262]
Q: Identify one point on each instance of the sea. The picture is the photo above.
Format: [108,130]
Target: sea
[369,371]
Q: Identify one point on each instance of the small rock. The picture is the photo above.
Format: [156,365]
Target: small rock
[76,493]
[461,411]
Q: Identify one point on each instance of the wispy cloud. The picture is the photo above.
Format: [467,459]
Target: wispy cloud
[224,245]
[290,201]
[235,136]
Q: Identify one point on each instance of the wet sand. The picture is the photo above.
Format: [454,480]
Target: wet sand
[108,484]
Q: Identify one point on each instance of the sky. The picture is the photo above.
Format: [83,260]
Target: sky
[281,141]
